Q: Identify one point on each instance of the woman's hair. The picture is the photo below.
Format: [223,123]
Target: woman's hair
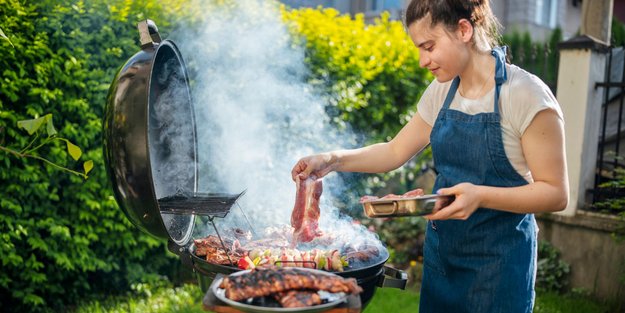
[448,12]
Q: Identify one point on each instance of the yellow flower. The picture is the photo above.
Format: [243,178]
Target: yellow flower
[413,263]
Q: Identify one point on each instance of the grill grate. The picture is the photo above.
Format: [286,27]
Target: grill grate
[210,204]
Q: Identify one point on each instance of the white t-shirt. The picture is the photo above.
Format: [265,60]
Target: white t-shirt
[520,99]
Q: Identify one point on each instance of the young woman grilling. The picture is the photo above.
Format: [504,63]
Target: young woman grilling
[497,140]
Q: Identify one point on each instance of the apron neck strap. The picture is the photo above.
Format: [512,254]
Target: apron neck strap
[451,93]
[501,75]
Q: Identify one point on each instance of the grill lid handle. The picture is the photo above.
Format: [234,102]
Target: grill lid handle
[148,34]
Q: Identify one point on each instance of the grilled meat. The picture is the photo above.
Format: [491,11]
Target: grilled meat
[264,281]
[297,298]
[363,254]
[213,250]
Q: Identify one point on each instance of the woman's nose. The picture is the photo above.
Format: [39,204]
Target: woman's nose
[424,61]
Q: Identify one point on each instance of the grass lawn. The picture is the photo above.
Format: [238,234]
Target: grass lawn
[188,299]
[393,300]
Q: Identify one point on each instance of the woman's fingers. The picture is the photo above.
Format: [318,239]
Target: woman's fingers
[300,169]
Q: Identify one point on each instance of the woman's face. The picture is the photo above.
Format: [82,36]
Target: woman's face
[441,51]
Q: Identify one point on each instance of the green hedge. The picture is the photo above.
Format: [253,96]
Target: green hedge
[63,238]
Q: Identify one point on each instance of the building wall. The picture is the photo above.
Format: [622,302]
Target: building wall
[520,16]
[514,15]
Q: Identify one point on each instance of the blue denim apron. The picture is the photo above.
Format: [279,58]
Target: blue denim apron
[488,262]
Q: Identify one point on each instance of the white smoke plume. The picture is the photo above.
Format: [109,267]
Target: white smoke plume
[256,115]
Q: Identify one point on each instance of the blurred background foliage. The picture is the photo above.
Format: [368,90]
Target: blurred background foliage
[63,239]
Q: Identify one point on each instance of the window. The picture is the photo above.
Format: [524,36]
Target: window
[391,4]
[546,12]
[381,5]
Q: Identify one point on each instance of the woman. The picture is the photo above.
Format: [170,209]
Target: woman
[497,140]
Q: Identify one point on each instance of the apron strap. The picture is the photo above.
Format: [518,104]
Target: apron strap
[501,75]
[451,93]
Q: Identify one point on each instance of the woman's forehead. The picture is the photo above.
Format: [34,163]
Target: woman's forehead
[423,30]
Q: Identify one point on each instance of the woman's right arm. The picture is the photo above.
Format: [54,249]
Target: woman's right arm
[376,158]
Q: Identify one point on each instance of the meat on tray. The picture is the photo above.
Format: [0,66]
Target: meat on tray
[297,298]
[409,194]
[265,281]
[305,216]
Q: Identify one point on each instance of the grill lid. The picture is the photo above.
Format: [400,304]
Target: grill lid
[150,142]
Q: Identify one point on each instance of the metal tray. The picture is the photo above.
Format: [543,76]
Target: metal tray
[333,299]
[412,206]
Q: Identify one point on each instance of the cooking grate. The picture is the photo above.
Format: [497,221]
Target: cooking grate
[211,204]
[207,205]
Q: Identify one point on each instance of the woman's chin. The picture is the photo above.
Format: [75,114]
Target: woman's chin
[442,78]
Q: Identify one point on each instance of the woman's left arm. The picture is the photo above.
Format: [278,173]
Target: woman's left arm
[543,147]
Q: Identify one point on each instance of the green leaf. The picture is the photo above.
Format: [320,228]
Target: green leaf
[3,36]
[31,126]
[88,165]
[73,150]
[50,126]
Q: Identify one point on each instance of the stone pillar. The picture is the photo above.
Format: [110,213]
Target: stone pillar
[582,65]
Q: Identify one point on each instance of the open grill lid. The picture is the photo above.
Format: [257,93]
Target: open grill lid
[150,142]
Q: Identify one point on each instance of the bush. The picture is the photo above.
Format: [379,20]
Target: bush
[552,273]
[62,237]
[539,58]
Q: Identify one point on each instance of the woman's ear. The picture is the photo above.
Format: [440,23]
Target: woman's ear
[465,30]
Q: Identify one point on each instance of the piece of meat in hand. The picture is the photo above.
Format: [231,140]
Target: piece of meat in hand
[305,216]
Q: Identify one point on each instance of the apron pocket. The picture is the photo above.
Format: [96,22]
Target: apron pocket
[431,254]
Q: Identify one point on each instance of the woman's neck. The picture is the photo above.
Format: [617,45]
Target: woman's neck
[477,79]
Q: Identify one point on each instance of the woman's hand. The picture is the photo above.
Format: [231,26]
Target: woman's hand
[467,201]
[317,165]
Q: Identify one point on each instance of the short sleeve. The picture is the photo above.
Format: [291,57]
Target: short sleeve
[528,96]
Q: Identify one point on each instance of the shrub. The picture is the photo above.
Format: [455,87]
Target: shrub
[552,273]
[62,237]
[539,58]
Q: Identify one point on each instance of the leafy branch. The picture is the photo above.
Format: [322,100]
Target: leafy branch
[3,36]
[34,127]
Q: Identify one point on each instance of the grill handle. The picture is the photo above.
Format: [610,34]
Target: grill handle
[393,278]
[148,34]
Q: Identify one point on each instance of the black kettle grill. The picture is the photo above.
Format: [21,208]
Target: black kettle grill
[149,132]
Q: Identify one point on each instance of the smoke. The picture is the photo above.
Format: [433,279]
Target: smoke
[169,121]
[256,115]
